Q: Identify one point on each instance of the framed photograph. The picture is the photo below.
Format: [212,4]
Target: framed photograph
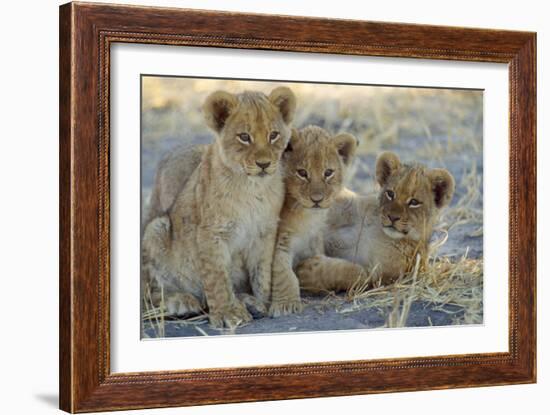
[258,207]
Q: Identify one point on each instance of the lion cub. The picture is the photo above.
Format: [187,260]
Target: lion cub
[385,232]
[315,166]
[205,248]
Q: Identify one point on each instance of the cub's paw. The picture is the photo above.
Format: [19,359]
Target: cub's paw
[254,306]
[230,316]
[283,308]
[161,225]
[182,305]
[156,238]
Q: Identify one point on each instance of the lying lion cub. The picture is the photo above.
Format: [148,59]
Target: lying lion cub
[315,166]
[384,232]
[212,224]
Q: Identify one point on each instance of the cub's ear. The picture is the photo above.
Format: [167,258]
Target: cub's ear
[283,98]
[294,137]
[346,145]
[217,108]
[386,164]
[443,186]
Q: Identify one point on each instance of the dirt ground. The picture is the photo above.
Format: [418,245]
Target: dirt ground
[318,315]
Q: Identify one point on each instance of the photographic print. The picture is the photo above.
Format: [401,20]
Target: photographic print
[284,207]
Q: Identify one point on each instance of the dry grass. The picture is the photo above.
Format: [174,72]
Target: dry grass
[451,287]
[155,318]
[466,210]
[379,116]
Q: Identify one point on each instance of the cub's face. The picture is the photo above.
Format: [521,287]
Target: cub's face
[411,197]
[253,129]
[315,166]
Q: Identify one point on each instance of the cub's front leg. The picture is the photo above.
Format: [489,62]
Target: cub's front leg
[225,310]
[285,288]
[320,274]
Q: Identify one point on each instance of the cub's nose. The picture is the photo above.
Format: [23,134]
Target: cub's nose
[393,219]
[263,165]
[316,197]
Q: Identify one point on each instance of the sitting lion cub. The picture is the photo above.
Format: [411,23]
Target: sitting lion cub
[385,232]
[315,166]
[230,201]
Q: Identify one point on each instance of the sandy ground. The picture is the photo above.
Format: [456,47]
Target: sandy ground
[318,315]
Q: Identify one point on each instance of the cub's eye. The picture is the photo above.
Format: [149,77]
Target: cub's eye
[273,136]
[302,173]
[414,203]
[390,194]
[244,138]
[329,173]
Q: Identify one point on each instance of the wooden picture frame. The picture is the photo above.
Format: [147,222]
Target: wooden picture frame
[86,33]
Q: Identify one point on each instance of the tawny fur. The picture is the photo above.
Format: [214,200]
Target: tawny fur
[384,232]
[212,245]
[315,166]
[173,172]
